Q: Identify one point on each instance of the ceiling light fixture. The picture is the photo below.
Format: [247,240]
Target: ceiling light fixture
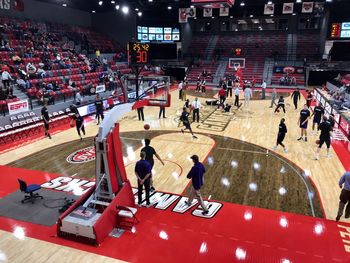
[112,2]
[125,9]
[242,4]
[170,7]
[93,11]
[269,2]
[100,3]
[139,13]
[136,9]
[117,7]
[64,5]
[298,1]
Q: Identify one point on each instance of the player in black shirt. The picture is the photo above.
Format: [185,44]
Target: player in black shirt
[186,122]
[282,130]
[99,108]
[331,120]
[79,123]
[296,97]
[150,151]
[325,137]
[318,114]
[309,99]
[229,88]
[46,118]
[280,104]
[304,117]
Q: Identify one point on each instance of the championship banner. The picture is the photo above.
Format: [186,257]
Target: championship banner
[207,12]
[183,15]
[18,106]
[307,7]
[318,9]
[288,8]
[191,12]
[224,11]
[269,9]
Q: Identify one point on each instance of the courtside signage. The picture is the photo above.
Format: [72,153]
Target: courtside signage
[82,156]
[18,106]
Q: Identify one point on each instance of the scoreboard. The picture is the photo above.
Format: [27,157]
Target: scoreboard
[140,54]
[340,30]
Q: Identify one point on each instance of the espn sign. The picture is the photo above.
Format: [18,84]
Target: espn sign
[18,106]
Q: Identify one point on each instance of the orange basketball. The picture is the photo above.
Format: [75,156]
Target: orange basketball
[317,141]
[146,126]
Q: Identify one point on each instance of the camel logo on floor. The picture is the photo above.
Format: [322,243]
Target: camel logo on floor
[163,201]
[69,184]
[82,156]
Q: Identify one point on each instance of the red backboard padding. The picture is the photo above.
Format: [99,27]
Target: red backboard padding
[118,153]
[111,163]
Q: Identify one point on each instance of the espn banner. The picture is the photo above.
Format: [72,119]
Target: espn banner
[307,7]
[18,107]
[288,8]
[269,9]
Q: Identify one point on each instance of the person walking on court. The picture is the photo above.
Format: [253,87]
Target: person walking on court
[150,152]
[318,116]
[162,111]
[229,88]
[344,198]
[196,105]
[282,130]
[263,89]
[325,137]
[99,109]
[303,119]
[186,122]
[46,118]
[79,123]
[222,96]
[180,86]
[143,173]
[309,99]
[247,95]
[280,104]
[236,96]
[296,97]
[196,175]
[273,97]
[203,86]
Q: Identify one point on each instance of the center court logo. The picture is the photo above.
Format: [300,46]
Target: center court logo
[82,156]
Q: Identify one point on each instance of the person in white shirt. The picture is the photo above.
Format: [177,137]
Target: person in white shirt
[247,95]
[237,96]
[6,77]
[263,89]
[196,105]
[78,98]
[180,90]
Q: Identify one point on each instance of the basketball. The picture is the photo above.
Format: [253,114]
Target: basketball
[146,126]
[278,110]
[317,141]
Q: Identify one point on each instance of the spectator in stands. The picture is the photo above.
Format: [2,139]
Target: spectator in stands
[41,73]
[21,83]
[6,78]
[105,64]
[78,98]
[16,59]
[31,70]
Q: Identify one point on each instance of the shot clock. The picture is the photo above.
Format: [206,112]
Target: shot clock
[139,53]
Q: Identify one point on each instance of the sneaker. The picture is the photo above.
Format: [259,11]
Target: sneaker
[205,212]
[148,205]
[317,157]
[182,130]
[306,139]
[300,139]
[187,203]
[152,189]
[194,137]
[274,148]
[81,139]
[328,155]
[49,136]
[337,218]
[285,150]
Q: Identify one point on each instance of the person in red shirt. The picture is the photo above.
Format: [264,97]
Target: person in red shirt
[222,95]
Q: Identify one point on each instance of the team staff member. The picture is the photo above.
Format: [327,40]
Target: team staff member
[186,122]
[150,151]
[325,137]
[79,123]
[344,196]
[237,96]
[282,130]
[196,175]
[222,95]
[46,118]
[263,89]
[280,104]
[143,173]
[296,97]
[318,114]
[303,119]
[196,105]
[99,108]
[309,99]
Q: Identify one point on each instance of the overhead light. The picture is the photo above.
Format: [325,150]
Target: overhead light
[269,2]
[117,7]
[136,9]
[242,4]
[170,7]
[231,16]
[93,11]
[139,13]
[293,14]
[112,2]
[298,1]
[192,6]
[271,15]
[251,16]
[125,9]
[329,1]
[100,3]
[64,5]
[150,1]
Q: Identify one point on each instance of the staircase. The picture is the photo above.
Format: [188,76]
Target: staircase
[268,70]
[292,40]
[220,71]
[208,54]
[18,93]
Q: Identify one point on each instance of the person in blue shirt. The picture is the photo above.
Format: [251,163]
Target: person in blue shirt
[344,196]
[143,172]
[196,174]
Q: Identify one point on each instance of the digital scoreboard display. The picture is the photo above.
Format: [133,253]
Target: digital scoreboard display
[158,34]
[140,53]
[340,30]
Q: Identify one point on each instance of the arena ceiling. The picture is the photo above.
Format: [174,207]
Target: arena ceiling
[146,5]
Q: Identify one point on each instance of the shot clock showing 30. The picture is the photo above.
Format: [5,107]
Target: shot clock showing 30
[139,53]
